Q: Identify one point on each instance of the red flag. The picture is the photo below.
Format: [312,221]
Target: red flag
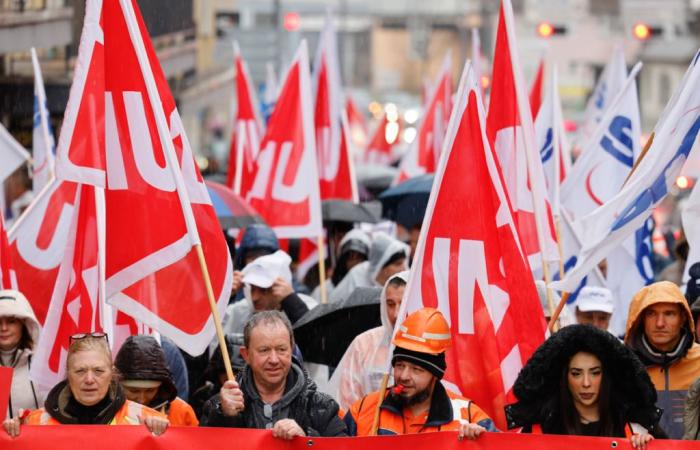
[335,169]
[286,188]
[38,242]
[122,131]
[356,121]
[77,294]
[470,266]
[424,152]
[6,266]
[381,146]
[512,137]
[536,90]
[245,139]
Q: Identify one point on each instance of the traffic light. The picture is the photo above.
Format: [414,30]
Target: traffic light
[643,31]
[292,21]
[547,30]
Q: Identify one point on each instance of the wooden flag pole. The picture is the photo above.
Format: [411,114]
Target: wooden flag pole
[322,269]
[645,150]
[215,313]
[557,312]
[382,392]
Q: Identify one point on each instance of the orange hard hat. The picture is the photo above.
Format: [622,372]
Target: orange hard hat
[425,331]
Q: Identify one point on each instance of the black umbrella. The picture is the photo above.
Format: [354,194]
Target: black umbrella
[347,211]
[325,332]
[406,202]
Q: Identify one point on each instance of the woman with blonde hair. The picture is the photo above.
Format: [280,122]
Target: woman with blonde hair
[90,394]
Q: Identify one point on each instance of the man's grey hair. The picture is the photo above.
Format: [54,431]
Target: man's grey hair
[273,317]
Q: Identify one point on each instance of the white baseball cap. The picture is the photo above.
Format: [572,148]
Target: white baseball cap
[263,271]
[593,298]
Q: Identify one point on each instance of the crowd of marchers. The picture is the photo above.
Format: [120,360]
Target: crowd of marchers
[582,380]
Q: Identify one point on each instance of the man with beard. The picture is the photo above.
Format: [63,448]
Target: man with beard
[418,402]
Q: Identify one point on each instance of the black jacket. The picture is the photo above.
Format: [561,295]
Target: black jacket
[633,396]
[315,412]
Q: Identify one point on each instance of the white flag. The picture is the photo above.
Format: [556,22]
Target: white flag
[608,226]
[43,144]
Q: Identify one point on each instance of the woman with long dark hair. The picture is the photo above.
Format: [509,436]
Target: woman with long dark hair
[584,381]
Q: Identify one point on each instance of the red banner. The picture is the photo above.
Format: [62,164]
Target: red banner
[69,437]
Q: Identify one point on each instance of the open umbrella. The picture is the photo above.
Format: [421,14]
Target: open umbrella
[231,209]
[406,202]
[325,332]
[347,211]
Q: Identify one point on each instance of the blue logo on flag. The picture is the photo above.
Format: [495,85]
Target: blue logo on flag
[620,130]
[657,190]
[548,148]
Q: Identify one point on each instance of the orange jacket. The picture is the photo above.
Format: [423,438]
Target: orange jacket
[128,414]
[446,411]
[181,414]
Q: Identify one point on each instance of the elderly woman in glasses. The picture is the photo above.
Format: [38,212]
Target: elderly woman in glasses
[90,394]
[19,333]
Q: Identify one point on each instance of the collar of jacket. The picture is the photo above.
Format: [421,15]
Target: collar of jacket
[440,412]
[295,385]
[650,356]
[57,400]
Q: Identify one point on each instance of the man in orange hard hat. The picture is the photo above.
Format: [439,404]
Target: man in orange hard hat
[418,402]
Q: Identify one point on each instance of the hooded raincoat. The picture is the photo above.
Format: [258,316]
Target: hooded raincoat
[141,358]
[672,372]
[361,369]
[365,274]
[23,393]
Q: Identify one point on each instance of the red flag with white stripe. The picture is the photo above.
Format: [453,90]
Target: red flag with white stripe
[77,293]
[469,264]
[122,131]
[380,149]
[245,138]
[512,137]
[286,188]
[335,168]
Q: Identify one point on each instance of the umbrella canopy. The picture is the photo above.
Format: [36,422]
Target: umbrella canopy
[347,211]
[231,209]
[406,202]
[325,332]
[375,176]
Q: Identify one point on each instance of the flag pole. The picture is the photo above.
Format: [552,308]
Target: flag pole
[557,312]
[644,152]
[215,312]
[172,161]
[322,269]
[377,411]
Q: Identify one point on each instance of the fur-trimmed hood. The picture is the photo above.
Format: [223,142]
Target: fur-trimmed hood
[537,385]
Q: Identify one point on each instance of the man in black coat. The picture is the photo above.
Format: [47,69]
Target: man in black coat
[273,391]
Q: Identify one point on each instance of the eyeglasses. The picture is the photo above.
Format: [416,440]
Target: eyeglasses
[95,334]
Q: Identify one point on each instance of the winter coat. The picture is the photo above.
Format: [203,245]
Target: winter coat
[446,413]
[23,393]
[365,274]
[537,388]
[118,411]
[142,358]
[256,236]
[691,416]
[366,360]
[672,373]
[316,413]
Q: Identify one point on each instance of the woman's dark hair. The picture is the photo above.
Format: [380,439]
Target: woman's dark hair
[611,423]
[26,341]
